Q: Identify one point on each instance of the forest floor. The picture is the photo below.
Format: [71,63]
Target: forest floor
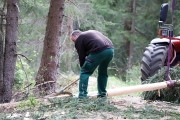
[125,107]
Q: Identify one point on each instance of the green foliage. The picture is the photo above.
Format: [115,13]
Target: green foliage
[133,75]
[105,16]
[32,102]
[146,26]
[84,17]
[117,14]
[87,17]
[171,95]
[23,75]
[32,24]
[176,20]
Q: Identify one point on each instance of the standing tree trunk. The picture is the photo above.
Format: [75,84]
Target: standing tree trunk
[133,12]
[129,24]
[10,54]
[1,51]
[1,62]
[48,69]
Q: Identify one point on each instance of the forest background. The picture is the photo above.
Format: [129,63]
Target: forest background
[130,24]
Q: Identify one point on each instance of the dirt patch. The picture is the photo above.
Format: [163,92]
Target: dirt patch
[138,104]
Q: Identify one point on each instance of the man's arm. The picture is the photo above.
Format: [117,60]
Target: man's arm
[81,52]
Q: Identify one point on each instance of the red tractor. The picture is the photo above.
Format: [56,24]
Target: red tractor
[156,54]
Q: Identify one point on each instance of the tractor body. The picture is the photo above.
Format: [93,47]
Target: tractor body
[156,54]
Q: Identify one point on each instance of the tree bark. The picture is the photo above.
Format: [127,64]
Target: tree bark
[2,17]
[129,24]
[133,11]
[48,69]
[1,55]
[10,54]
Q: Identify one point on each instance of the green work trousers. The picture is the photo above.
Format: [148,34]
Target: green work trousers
[100,60]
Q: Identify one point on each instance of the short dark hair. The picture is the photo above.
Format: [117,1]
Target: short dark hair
[76,32]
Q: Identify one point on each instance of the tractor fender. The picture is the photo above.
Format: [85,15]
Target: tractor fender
[160,40]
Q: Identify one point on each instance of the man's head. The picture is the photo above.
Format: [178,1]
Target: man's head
[75,34]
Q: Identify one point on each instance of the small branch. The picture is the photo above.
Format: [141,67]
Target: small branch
[17,7]
[68,17]
[27,85]
[73,3]
[8,107]
[141,33]
[24,56]
[27,91]
[44,83]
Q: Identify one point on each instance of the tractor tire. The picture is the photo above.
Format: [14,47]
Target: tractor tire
[153,60]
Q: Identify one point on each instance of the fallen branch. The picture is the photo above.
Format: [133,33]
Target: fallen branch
[8,107]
